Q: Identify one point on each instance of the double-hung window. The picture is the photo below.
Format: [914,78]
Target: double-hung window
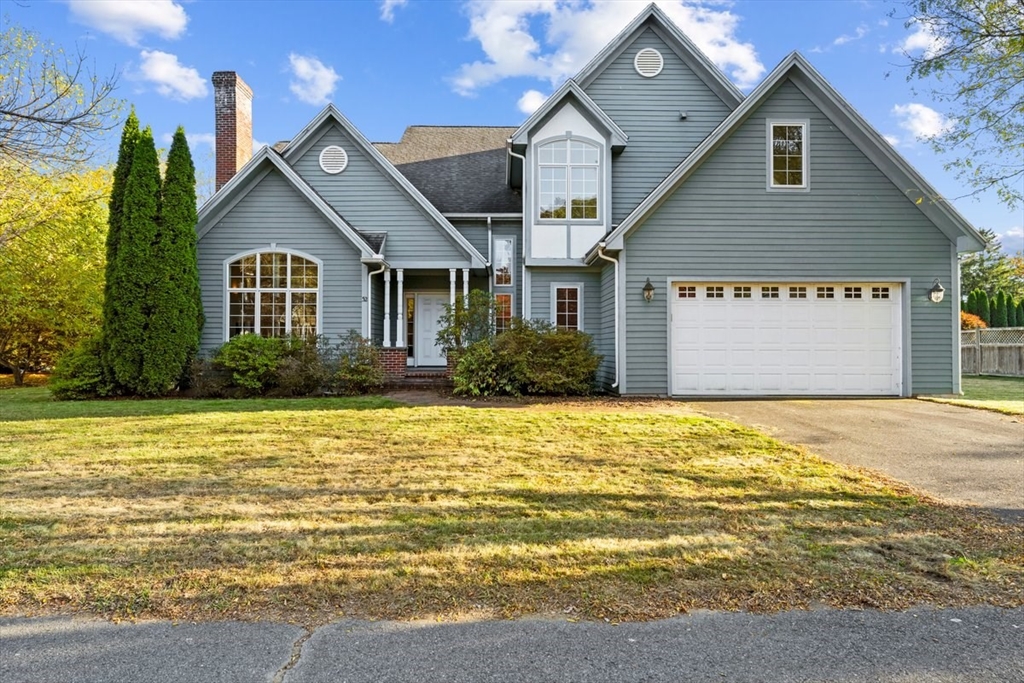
[503,264]
[567,305]
[273,294]
[787,154]
[569,172]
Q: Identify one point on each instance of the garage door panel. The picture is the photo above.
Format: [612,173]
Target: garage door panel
[786,345]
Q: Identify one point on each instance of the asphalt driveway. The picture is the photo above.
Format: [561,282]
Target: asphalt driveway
[958,454]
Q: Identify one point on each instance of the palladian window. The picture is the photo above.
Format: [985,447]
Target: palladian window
[568,180]
[273,294]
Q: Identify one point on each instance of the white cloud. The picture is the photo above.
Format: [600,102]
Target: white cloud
[921,121]
[861,31]
[531,101]
[257,145]
[1012,237]
[194,139]
[129,21]
[574,32]
[892,139]
[313,81]
[388,7]
[923,38]
[171,78]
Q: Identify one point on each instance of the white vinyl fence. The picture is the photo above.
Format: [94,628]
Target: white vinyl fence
[995,351]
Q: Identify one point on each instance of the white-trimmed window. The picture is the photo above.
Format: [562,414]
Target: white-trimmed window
[502,312]
[787,154]
[567,306]
[568,180]
[503,261]
[273,294]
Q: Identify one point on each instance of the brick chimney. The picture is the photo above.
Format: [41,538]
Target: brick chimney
[232,107]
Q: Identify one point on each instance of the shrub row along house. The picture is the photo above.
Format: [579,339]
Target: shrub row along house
[711,243]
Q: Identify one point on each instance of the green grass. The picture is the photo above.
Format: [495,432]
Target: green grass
[307,509]
[1001,394]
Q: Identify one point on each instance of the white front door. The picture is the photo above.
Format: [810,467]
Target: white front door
[429,309]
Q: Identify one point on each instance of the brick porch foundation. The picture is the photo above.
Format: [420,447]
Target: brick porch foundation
[394,361]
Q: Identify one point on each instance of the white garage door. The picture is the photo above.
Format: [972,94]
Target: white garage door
[780,338]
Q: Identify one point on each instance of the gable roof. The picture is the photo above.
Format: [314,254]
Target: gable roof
[330,114]
[239,186]
[460,169]
[570,89]
[654,17]
[798,70]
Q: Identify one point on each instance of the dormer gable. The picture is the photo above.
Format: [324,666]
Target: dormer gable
[580,107]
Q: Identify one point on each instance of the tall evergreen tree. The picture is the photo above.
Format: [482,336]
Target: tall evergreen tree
[1020,313]
[972,303]
[134,272]
[176,313]
[999,310]
[1011,314]
[984,311]
[115,219]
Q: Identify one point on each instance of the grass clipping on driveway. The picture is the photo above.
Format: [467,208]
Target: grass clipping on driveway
[309,509]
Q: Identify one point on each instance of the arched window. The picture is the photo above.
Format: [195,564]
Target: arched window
[569,172]
[273,293]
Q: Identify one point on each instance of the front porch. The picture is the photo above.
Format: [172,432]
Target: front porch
[404,311]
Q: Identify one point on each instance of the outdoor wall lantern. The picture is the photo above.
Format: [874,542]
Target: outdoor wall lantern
[648,291]
[936,293]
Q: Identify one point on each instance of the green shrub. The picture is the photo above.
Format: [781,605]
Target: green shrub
[79,373]
[467,322]
[355,366]
[207,380]
[529,358]
[252,361]
[302,370]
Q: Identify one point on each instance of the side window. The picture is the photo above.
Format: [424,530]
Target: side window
[273,294]
[502,312]
[503,260]
[567,302]
[787,155]
[568,172]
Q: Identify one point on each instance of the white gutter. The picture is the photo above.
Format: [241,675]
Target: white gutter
[490,258]
[601,255]
[369,299]
[522,240]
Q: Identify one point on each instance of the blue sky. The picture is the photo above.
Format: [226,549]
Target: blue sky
[391,63]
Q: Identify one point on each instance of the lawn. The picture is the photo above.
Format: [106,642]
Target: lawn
[1001,394]
[309,509]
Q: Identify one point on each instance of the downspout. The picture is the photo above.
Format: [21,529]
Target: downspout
[522,240]
[490,258]
[601,255]
[369,300]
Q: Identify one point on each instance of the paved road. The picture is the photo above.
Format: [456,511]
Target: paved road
[960,454]
[917,646]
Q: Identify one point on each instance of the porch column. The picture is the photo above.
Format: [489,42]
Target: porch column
[387,307]
[465,286]
[400,326]
[451,286]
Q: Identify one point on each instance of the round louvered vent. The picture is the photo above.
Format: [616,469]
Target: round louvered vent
[648,62]
[333,159]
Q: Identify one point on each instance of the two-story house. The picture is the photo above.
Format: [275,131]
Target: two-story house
[711,243]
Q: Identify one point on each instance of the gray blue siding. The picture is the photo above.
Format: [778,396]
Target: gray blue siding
[853,223]
[647,110]
[606,373]
[273,212]
[372,202]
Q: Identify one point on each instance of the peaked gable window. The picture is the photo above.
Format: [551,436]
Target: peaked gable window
[273,294]
[787,154]
[568,179]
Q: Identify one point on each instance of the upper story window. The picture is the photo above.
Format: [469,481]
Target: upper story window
[504,250]
[568,179]
[787,154]
[273,294]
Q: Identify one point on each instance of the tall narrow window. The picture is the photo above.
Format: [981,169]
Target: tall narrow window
[568,180]
[504,249]
[502,312]
[568,307]
[273,294]
[788,155]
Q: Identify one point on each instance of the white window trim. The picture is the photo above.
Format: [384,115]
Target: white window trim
[769,180]
[512,266]
[568,220]
[578,286]
[272,248]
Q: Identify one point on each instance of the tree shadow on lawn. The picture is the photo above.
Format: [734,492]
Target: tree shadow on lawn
[26,405]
